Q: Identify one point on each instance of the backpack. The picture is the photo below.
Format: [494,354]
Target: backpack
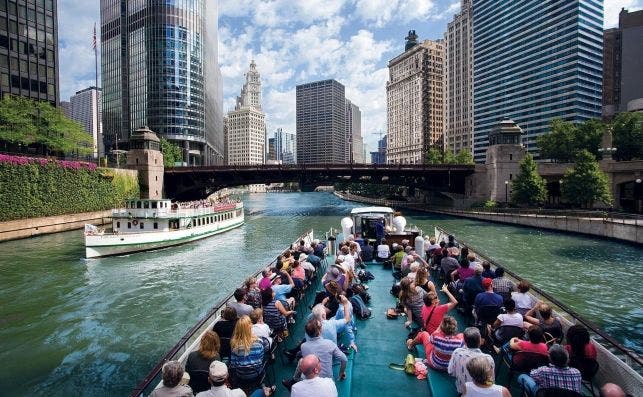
[395,290]
[359,308]
[359,289]
[365,275]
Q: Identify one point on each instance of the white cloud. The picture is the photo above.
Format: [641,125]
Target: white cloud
[379,13]
[613,7]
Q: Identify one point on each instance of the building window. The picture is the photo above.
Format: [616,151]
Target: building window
[141,227]
[129,225]
[118,225]
[156,225]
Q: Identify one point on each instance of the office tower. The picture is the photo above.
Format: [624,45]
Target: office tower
[65,106]
[246,125]
[159,63]
[285,147]
[379,157]
[354,133]
[272,155]
[415,101]
[458,123]
[623,63]
[29,50]
[86,109]
[321,123]
[535,61]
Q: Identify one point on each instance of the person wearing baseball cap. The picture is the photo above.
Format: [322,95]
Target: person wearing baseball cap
[488,297]
[218,375]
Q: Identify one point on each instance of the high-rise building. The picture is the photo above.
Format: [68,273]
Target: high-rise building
[65,106]
[379,157]
[285,147]
[458,104]
[159,63]
[623,63]
[535,61]
[272,155]
[415,101]
[86,109]
[354,133]
[29,49]
[246,125]
[321,123]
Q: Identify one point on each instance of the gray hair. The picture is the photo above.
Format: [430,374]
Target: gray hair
[472,337]
[172,373]
[478,269]
[480,370]
[319,312]
[558,355]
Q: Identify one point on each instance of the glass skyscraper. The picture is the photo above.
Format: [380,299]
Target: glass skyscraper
[160,69]
[534,61]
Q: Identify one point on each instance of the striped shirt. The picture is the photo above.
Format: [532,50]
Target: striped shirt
[273,317]
[251,361]
[443,348]
[551,376]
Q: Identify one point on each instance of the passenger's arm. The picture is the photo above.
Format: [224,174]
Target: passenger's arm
[282,309]
[513,343]
[290,281]
[453,302]
[339,355]
[409,316]
[345,303]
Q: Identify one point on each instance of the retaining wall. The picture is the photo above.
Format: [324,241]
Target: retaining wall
[23,228]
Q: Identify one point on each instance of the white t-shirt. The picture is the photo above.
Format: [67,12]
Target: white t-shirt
[262,330]
[347,260]
[523,300]
[314,387]
[511,319]
[383,251]
[477,391]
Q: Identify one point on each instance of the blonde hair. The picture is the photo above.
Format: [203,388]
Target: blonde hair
[210,345]
[421,276]
[449,326]
[242,337]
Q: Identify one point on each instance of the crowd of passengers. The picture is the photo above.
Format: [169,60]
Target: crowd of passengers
[232,357]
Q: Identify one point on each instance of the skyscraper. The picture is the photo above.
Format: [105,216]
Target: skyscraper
[535,61]
[285,147]
[354,133]
[29,50]
[415,101]
[321,123]
[458,123]
[86,109]
[160,69]
[623,63]
[246,124]
[379,157]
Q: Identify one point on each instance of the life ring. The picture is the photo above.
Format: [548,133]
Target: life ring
[134,222]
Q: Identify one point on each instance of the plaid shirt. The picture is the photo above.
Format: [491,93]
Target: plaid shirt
[502,285]
[551,376]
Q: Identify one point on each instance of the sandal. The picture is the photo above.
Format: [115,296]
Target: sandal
[268,390]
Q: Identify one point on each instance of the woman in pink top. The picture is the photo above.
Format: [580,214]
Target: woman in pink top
[298,274]
[535,343]
[433,312]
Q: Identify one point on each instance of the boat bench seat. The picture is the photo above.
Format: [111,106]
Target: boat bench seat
[441,384]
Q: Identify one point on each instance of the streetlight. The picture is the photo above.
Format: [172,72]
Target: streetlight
[506,191]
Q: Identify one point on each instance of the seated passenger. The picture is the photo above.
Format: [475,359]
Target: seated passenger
[240,305]
[274,312]
[281,290]
[524,301]
[488,297]
[463,272]
[383,251]
[413,269]
[318,249]
[579,345]
[200,360]
[249,353]
[501,285]
[462,355]
[266,279]
[218,378]
[313,384]
[433,312]
[431,247]
[612,390]
[449,263]
[259,328]
[225,328]
[482,380]
[398,255]
[487,272]
[298,275]
[511,318]
[367,252]
[541,314]
[557,374]
[535,344]
[411,296]
[172,375]
[439,345]
[422,280]
[253,293]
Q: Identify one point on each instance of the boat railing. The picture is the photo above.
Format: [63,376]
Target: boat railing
[191,339]
[617,363]
[154,212]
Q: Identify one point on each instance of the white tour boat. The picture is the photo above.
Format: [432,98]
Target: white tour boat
[151,224]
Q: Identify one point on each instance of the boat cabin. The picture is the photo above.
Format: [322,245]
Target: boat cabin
[365,220]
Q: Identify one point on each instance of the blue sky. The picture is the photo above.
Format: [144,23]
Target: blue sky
[294,42]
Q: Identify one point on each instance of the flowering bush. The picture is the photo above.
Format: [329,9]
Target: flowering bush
[21,160]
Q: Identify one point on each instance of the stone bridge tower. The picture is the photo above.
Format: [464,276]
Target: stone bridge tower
[145,156]
[504,155]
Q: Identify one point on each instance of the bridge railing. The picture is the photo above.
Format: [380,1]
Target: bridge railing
[608,216]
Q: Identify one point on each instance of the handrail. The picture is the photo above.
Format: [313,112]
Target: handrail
[609,216]
[149,378]
[595,328]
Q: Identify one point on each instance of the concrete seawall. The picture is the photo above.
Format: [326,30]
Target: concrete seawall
[619,230]
[23,228]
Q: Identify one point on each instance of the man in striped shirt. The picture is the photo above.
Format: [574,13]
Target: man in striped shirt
[557,374]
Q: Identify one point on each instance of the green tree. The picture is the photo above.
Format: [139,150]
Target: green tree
[627,134]
[434,156]
[585,184]
[529,187]
[567,139]
[16,121]
[171,153]
[464,157]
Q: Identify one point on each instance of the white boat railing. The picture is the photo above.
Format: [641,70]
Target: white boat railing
[618,364]
[167,213]
[190,341]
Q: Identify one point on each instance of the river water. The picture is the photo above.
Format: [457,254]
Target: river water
[71,326]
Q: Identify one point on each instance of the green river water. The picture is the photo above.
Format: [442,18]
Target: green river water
[71,326]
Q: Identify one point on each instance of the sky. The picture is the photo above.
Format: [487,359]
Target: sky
[294,42]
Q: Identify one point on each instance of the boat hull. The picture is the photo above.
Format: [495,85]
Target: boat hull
[126,243]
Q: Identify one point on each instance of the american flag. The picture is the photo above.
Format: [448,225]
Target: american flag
[94,38]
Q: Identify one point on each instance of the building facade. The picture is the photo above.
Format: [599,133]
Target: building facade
[623,63]
[29,50]
[321,123]
[458,103]
[246,124]
[379,157]
[354,133]
[285,147]
[160,69]
[415,101]
[86,109]
[534,62]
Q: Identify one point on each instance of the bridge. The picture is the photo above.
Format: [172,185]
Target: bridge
[192,183]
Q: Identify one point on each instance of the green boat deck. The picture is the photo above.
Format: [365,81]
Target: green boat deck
[380,341]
